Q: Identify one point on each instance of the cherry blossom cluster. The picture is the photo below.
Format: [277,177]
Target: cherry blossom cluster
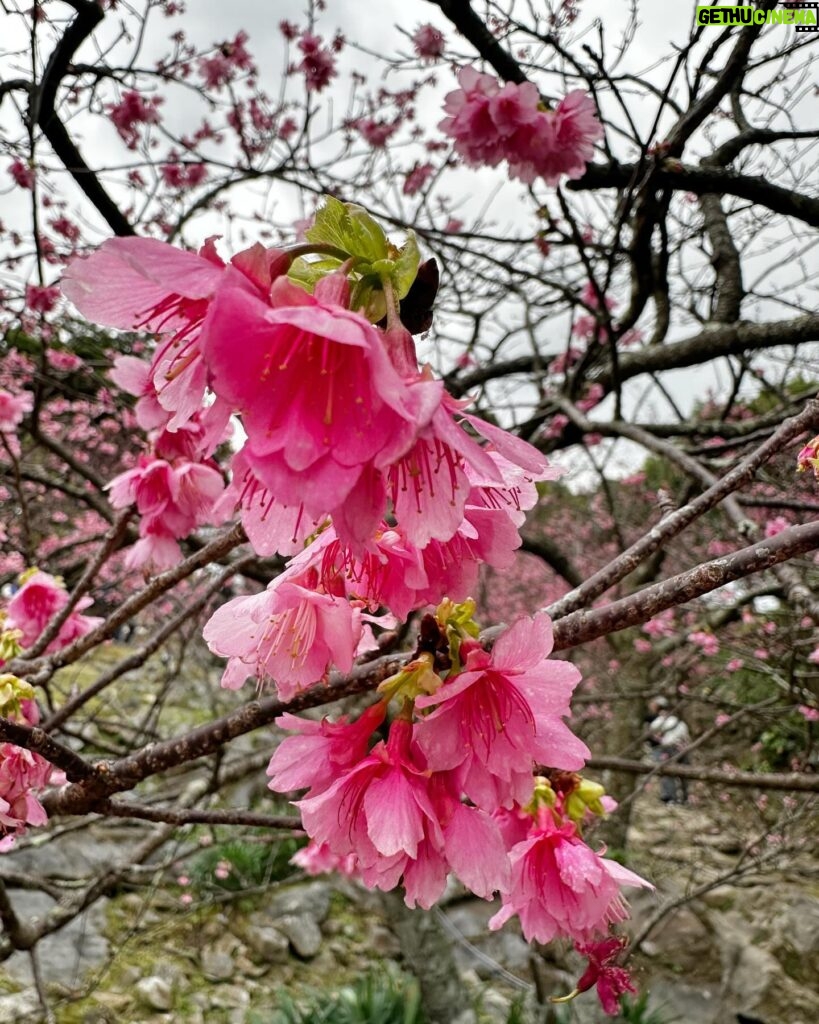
[386,496]
[491,123]
[23,773]
[808,458]
[173,488]
[448,788]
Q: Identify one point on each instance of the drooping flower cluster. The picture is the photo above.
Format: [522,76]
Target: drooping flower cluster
[491,122]
[451,789]
[23,773]
[387,496]
[174,489]
[808,457]
[37,600]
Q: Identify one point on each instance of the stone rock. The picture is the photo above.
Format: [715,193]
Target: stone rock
[21,1007]
[218,959]
[383,942]
[217,965]
[233,998]
[303,933]
[156,993]
[267,942]
[66,954]
[802,925]
[495,1006]
[311,898]
[467,1017]
[677,1001]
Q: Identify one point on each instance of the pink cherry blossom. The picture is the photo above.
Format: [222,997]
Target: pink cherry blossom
[417,178]
[22,174]
[42,298]
[320,751]
[560,886]
[502,714]
[490,123]
[318,395]
[59,359]
[318,859]
[428,42]
[469,122]
[142,284]
[22,774]
[131,111]
[172,500]
[290,634]
[611,980]
[376,133]
[560,143]
[13,408]
[318,65]
[808,457]
[37,601]
[398,821]
[272,528]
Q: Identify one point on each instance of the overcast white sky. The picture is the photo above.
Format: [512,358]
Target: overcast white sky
[375,27]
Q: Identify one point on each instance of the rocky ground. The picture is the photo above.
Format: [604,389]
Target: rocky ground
[222,928]
[196,952]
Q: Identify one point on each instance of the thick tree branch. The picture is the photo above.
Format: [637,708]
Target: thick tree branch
[794,782]
[43,112]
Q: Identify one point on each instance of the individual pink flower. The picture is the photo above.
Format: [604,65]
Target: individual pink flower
[776,525]
[22,775]
[318,859]
[318,65]
[379,808]
[22,174]
[319,398]
[67,228]
[417,178]
[320,751]
[172,500]
[131,111]
[503,713]
[42,298]
[290,634]
[808,457]
[65,362]
[469,121]
[142,284]
[12,409]
[399,821]
[429,486]
[376,133]
[808,713]
[271,527]
[561,887]
[37,601]
[603,970]
[428,42]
